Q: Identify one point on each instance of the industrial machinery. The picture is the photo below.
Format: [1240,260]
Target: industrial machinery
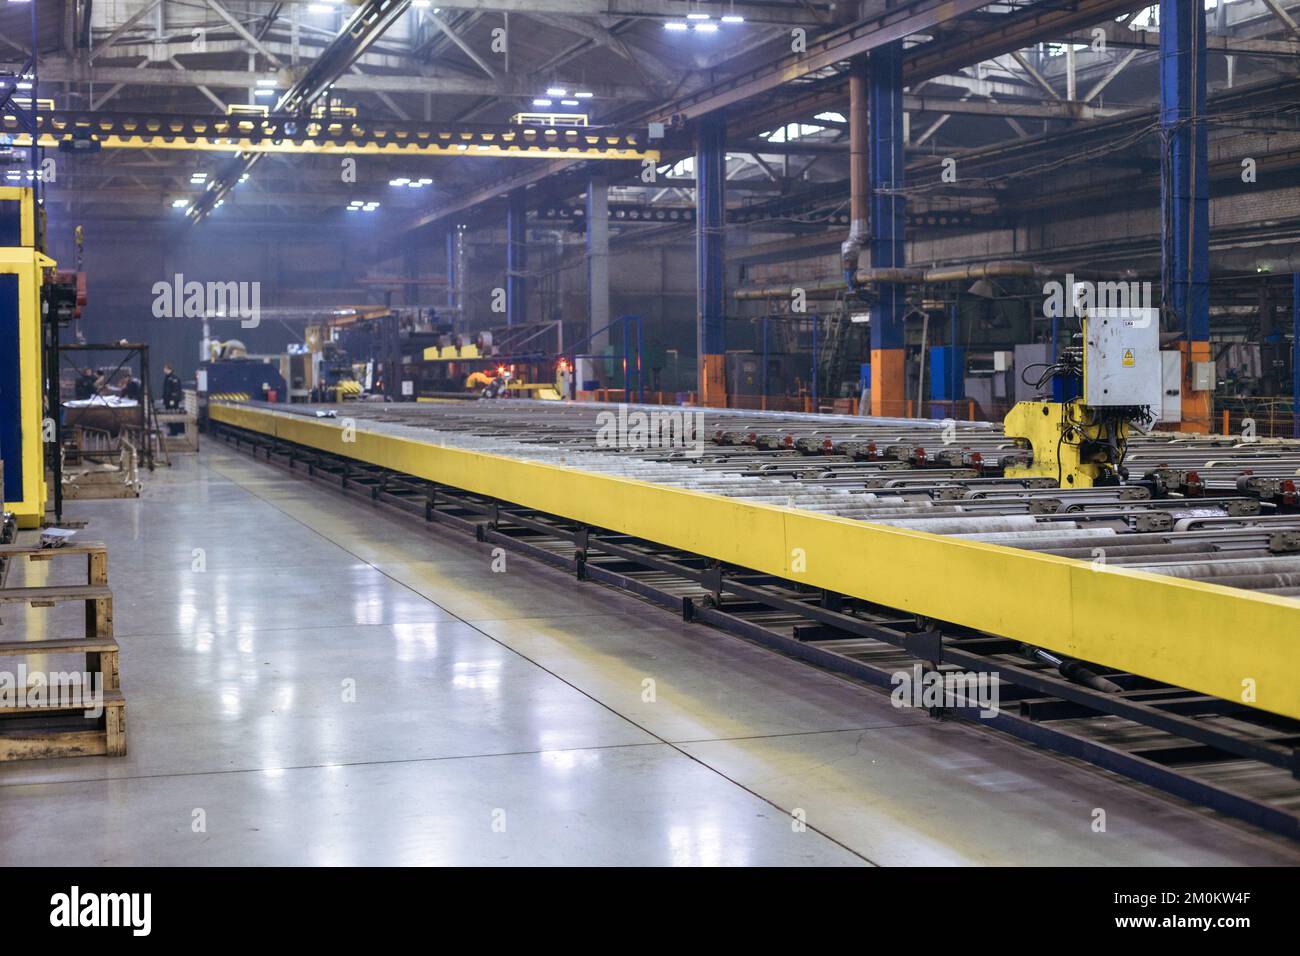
[1081,442]
[24,270]
[865,545]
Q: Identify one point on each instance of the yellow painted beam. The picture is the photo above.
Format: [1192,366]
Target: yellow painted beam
[1204,637]
[422,147]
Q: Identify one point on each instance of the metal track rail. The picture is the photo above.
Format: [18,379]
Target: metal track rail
[1234,759]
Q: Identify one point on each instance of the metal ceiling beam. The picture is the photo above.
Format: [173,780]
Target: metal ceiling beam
[1014,31]
[62,70]
[802,14]
[127,24]
[367,24]
[1122,37]
[918,16]
[247,37]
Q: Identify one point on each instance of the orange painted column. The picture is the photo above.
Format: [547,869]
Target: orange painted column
[713,381]
[1198,407]
[887,383]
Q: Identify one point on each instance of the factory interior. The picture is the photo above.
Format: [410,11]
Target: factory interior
[640,433]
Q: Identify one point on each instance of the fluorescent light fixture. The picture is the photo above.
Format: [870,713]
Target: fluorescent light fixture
[180,203]
[732,18]
[706,28]
[266,82]
[675,25]
[24,85]
[263,91]
[426,182]
[243,178]
[556,91]
[220,203]
[421,3]
[584,94]
[399,181]
[357,202]
[697,16]
[541,102]
[354,208]
[568,102]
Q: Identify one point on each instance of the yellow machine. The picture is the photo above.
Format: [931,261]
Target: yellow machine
[1074,444]
[22,402]
[1081,443]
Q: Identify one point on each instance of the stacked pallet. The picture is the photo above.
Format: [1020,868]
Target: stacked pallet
[55,712]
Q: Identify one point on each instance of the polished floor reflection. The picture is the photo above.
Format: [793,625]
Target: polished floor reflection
[311,681]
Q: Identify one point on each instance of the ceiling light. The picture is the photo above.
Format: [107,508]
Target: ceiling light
[244,178]
[399,181]
[556,91]
[584,94]
[675,25]
[697,16]
[180,203]
[706,28]
[732,18]
[266,82]
[426,182]
[420,3]
[541,102]
[568,102]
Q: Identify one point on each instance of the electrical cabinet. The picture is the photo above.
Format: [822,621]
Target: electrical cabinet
[1121,362]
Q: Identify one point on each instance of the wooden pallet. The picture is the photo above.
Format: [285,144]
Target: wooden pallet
[29,730]
[179,431]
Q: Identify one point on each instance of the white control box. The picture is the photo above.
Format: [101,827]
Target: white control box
[1121,361]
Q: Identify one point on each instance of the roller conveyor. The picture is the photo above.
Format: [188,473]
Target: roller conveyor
[798,461]
[1057,602]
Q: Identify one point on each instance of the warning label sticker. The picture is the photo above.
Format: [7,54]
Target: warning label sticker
[1128,358]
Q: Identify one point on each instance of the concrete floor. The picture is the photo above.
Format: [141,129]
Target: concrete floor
[503,718]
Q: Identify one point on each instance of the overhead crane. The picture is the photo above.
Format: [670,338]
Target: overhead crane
[344,136]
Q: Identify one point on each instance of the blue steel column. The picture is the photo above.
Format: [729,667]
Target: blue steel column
[516,258]
[888,216]
[710,210]
[1185,226]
